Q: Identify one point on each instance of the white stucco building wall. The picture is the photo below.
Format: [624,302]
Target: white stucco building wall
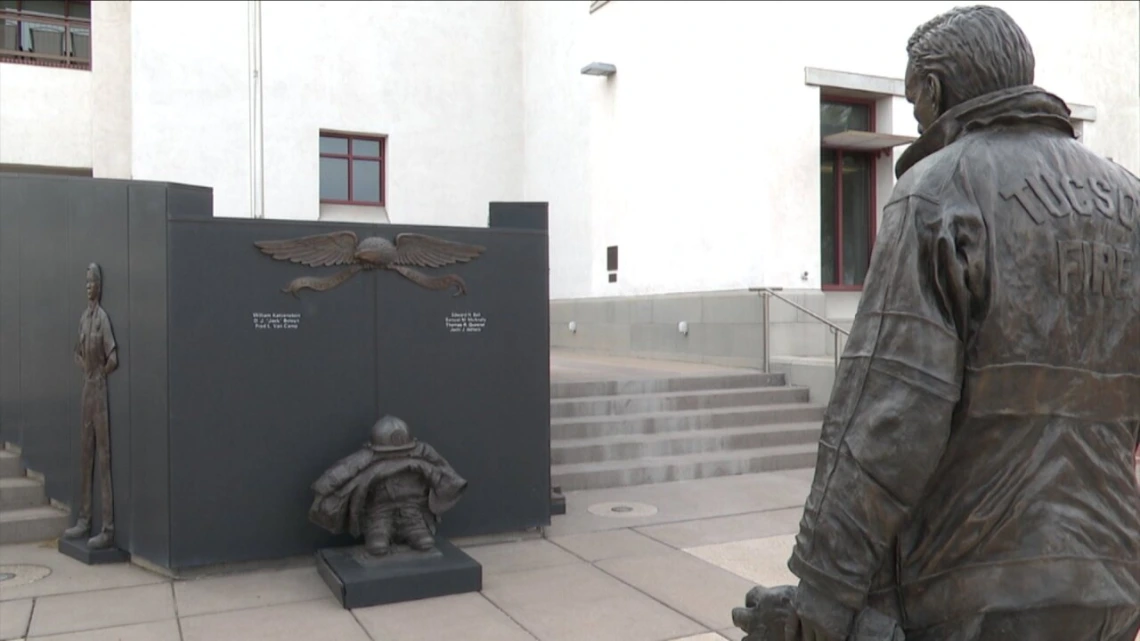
[441,81]
[699,159]
[703,149]
[45,117]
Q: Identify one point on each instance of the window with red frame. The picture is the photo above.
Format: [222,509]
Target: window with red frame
[352,169]
[847,197]
[50,33]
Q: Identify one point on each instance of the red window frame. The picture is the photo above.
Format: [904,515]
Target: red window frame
[67,21]
[872,212]
[350,156]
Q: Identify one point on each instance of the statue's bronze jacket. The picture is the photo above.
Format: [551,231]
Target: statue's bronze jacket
[977,453]
[342,492]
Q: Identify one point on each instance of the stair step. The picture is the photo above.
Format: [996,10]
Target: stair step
[675,401]
[31,524]
[10,464]
[624,387]
[624,447]
[683,421]
[21,492]
[591,476]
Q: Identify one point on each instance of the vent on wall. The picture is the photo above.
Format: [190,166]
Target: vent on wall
[612,262]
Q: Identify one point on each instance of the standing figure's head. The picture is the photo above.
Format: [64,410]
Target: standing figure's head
[391,434]
[94,283]
[962,54]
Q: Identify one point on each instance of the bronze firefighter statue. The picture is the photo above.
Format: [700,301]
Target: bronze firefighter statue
[391,492]
[975,475]
[97,355]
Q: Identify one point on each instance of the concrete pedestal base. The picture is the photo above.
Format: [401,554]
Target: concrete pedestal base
[78,550]
[557,502]
[359,580]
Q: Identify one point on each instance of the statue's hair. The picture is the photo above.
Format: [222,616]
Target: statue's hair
[973,51]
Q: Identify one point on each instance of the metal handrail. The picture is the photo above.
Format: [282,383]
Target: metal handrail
[766,294]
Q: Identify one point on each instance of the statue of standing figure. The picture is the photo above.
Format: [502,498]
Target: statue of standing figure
[97,355]
[975,477]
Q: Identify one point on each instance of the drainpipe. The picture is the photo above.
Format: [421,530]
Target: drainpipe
[256,112]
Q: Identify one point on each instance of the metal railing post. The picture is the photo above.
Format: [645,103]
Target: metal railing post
[766,301]
[835,346]
[766,294]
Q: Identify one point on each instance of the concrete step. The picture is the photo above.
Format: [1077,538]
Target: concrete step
[624,387]
[686,421]
[21,492]
[10,465]
[592,476]
[31,524]
[674,401]
[626,447]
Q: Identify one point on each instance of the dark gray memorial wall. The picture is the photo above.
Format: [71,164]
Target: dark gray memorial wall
[51,228]
[229,419]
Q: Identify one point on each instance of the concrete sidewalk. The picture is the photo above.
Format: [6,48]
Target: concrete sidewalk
[670,562]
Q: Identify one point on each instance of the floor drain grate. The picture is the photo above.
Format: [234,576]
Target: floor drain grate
[622,509]
[14,575]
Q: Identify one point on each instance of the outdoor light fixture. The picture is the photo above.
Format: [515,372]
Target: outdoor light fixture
[573,327]
[599,69]
[683,327]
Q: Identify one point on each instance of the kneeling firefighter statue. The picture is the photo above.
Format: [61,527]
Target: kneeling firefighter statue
[392,491]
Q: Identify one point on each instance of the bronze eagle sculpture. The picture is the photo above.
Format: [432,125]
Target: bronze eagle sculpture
[342,248]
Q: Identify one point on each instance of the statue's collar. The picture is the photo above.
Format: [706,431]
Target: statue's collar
[1019,105]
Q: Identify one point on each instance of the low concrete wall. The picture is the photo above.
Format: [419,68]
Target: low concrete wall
[724,328]
[816,374]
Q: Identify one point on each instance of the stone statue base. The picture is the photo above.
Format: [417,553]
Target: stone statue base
[359,580]
[78,550]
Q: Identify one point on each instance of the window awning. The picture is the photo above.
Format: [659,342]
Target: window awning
[866,140]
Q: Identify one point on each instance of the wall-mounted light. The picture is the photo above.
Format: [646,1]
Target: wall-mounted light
[573,327]
[683,327]
[599,69]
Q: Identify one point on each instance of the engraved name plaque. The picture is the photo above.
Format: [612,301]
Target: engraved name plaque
[276,320]
[465,322]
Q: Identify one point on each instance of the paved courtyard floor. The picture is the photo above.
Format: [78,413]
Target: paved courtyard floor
[670,563]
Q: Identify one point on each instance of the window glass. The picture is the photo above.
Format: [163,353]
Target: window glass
[366,181]
[81,43]
[57,8]
[334,179]
[9,35]
[366,148]
[827,247]
[837,117]
[333,145]
[79,10]
[856,217]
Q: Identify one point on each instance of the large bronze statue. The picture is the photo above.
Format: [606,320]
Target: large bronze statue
[392,491]
[97,355]
[975,479]
[374,252]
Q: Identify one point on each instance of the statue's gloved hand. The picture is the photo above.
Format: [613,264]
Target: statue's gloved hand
[766,613]
[819,617]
